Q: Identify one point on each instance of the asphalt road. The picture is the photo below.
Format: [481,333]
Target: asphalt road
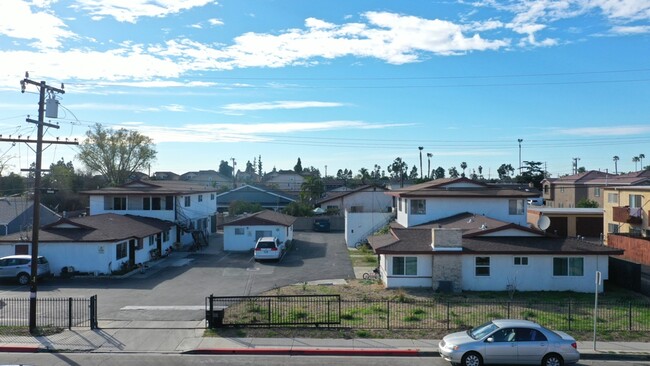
[182,286]
[86,359]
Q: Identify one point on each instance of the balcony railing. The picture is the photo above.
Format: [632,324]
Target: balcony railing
[628,215]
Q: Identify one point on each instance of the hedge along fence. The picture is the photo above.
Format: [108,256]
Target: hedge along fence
[432,314]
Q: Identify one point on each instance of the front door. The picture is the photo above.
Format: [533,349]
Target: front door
[132,245]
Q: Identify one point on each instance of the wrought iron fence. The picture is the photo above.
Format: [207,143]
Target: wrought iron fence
[50,312]
[273,310]
[428,314]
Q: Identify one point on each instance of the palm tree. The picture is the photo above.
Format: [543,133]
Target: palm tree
[635,160]
[463,166]
[616,159]
[641,157]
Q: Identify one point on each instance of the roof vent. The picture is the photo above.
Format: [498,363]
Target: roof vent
[484,227]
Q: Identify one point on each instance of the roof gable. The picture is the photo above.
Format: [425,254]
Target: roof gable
[266,217]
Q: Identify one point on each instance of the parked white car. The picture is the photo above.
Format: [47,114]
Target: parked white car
[20,267]
[268,247]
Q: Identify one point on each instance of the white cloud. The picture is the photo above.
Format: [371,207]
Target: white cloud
[19,20]
[630,30]
[130,10]
[214,22]
[606,131]
[279,105]
[624,9]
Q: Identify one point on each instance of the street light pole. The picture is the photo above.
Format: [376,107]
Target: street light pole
[429,155]
[520,141]
[421,148]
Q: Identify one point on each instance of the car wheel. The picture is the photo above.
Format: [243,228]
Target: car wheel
[471,359]
[23,278]
[552,360]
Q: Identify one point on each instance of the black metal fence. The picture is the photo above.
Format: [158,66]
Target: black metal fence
[300,310]
[50,312]
[429,314]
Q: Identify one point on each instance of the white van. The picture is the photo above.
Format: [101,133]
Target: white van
[536,201]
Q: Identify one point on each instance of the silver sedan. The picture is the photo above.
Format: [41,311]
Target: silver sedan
[508,341]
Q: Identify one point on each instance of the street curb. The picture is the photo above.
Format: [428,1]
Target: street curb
[307,352]
[615,356]
[20,349]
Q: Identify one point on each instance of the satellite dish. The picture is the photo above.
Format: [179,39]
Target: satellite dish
[543,223]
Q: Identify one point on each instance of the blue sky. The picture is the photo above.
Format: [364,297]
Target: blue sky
[342,84]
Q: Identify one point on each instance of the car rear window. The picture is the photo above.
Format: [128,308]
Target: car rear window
[266,245]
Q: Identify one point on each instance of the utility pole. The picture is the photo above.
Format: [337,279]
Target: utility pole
[43,88]
[234,175]
[429,155]
[575,165]
[421,148]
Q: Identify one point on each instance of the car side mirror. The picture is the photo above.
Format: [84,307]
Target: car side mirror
[490,340]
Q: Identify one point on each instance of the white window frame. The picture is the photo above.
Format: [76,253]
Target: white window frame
[409,266]
[516,207]
[418,209]
[478,267]
[571,269]
[520,261]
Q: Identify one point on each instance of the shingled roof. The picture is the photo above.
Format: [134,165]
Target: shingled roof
[107,227]
[157,187]
[266,217]
[461,187]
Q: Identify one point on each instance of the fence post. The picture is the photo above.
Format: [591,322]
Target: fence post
[448,310]
[630,315]
[93,313]
[387,314]
[508,310]
[69,313]
[570,301]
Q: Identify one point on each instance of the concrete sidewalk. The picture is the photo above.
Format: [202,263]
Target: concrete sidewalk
[187,337]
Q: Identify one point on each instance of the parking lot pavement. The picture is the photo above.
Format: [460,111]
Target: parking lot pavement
[183,280]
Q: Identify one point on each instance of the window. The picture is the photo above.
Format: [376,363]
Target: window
[399,202]
[563,266]
[188,201]
[405,266]
[200,198]
[152,242]
[356,209]
[211,196]
[137,243]
[612,228]
[418,207]
[482,266]
[119,203]
[166,235]
[635,200]
[635,232]
[612,197]
[155,203]
[239,231]
[521,261]
[146,203]
[169,203]
[120,250]
[597,191]
[516,207]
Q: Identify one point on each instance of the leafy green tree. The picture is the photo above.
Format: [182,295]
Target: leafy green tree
[413,175]
[298,167]
[12,184]
[311,190]
[240,207]
[505,171]
[298,209]
[225,169]
[587,203]
[259,165]
[398,170]
[439,173]
[453,172]
[61,187]
[532,173]
[117,155]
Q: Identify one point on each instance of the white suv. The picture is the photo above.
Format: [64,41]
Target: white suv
[268,247]
[20,267]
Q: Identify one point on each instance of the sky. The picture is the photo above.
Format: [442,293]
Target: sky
[339,84]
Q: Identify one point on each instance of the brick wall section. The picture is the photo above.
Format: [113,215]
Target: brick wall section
[447,268]
[636,249]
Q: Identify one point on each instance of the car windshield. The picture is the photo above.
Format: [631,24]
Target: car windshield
[482,330]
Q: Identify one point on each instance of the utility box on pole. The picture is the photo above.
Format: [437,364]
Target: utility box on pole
[52,108]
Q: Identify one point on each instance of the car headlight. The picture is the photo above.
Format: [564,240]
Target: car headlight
[451,347]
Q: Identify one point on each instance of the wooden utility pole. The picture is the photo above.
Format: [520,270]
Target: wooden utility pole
[40,123]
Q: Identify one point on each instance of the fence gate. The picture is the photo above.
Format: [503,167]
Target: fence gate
[272,310]
[50,312]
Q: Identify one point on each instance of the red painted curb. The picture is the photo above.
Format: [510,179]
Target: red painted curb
[308,351]
[19,349]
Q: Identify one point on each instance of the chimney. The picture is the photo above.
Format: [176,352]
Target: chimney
[446,240]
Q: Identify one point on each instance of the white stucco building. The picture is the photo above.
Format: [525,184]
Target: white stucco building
[242,234]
